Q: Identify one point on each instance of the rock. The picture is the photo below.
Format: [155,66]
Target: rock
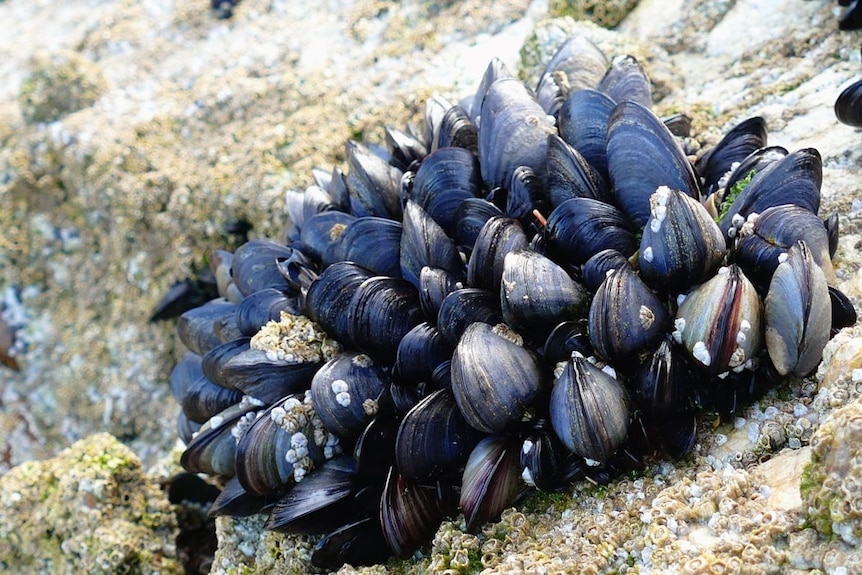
[91,509]
[58,84]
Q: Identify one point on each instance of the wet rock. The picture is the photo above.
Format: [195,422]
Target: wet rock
[91,509]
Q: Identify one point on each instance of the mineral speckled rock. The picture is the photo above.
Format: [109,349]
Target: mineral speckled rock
[91,510]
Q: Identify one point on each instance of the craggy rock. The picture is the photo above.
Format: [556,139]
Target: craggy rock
[59,83]
[91,510]
[831,487]
[606,14]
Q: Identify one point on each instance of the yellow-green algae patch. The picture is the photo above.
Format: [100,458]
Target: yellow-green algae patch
[89,510]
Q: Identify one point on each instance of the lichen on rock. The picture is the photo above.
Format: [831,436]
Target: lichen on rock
[60,83]
[89,510]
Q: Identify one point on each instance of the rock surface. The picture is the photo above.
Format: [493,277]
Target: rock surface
[90,509]
[131,133]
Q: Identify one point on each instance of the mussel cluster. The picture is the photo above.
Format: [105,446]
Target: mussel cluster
[540,287]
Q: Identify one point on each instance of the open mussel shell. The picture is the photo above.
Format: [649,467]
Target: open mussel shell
[202,328]
[569,175]
[581,227]
[765,237]
[495,379]
[330,294]
[643,155]
[212,449]
[370,242]
[513,132]
[444,179]
[404,148]
[420,351]
[318,503]
[720,322]
[798,313]
[491,479]
[457,130]
[627,81]
[746,137]
[262,306]
[410,513]
[589,410]
[626,318]
[794,179]
[425,244]
[537,294]
[546,462]
[373,184]
[357,543]
[848,106]
[681,245]
[498,237]
[345,392]
[382,311]
[433,440]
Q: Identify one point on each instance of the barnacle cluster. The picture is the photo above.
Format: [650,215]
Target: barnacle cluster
[537,288]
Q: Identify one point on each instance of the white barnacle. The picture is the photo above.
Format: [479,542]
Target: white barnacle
[678,328]
[723,270]
[701,354]
[782,257]
[369,406]
[362,360]
[343,398]
[737,220]
[646,316]
[658,207]
[528,445]
[740,337]
[216,421]
[647,254]
[680,298]
[610,371]
[737,358]
[339,386]
[528,477]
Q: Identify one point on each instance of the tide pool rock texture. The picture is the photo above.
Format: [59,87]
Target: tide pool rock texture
[91,509]
[171,123]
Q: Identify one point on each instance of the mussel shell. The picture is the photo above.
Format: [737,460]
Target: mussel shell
[589,410]
[321,230]
[681,245]
[848,105]
[464,307]
[420,351]
[370,242]
[203,399]
[582,62]
[410,513]
[537,294]
[662,383]
[627,81]
[221,262]
[187,370]
[374,451]
[565,338]
[583,123]
[457,130]
[495,380]
[547,463]
[266,377]
[471,216]
[434,285]
[373,184]
[580,227]
[382,311]
[843,312]
[772,233]
[254,265]
[357,543]
[626,317]
[569,175]
[498,237]
[746,137]
[643,155]
[330,294]
[317,503]
[263,306]
[526,194]
[425,244]
[798,313]
[595,269]
[491,479]
[445,179]
[212,450]
[404,148]
[199,328]
[345,393]
[795,179]
[719,322]
[433,440]
[236,501]
[514,131]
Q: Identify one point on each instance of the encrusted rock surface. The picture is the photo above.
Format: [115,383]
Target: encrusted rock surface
[91,509]
[132,132]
